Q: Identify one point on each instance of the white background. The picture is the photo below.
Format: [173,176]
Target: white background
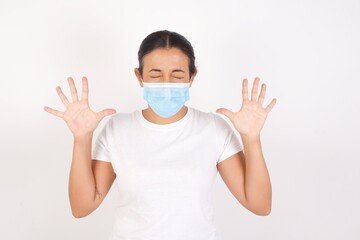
[307,52]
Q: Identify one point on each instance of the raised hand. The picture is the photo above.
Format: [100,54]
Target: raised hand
[78,116]
[250,119]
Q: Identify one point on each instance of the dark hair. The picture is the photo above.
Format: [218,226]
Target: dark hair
[166,39]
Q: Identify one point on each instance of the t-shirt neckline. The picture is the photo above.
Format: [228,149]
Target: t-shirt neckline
[168,126]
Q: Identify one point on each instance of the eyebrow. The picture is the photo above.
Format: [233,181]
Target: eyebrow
[155,70]
[158,70]
[178,70]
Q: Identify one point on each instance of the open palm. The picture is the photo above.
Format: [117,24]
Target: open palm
[250,119]
[78,116]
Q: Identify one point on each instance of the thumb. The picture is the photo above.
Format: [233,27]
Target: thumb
[106,112]
[229,114]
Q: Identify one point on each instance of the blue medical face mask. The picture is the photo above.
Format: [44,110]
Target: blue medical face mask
[166,99]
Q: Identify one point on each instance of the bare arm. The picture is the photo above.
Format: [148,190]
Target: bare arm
[89,180]
[247,178]
[257,180]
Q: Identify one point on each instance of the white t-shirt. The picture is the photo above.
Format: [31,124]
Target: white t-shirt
[165,173]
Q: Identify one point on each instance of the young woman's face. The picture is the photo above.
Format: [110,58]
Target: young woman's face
[165,65]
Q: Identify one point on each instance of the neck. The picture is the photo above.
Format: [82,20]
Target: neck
[151,116]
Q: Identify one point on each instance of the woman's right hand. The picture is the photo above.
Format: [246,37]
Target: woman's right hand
[78,116]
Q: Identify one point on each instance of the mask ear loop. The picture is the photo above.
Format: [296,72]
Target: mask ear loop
[142,80]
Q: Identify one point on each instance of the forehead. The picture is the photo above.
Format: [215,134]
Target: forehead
[166,58]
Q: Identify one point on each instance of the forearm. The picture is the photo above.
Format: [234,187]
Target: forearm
[81,179]
[257,181]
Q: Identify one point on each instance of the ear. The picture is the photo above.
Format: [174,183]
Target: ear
[138,75]
[193,76]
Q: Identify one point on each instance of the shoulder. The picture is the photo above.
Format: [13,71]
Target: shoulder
[202,115]
[115,126]
[213,117]
[213,125]
[215,121]
[120,119]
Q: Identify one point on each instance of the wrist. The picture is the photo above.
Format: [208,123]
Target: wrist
[250,138]
[83,136]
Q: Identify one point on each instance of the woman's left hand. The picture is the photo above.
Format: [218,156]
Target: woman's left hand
[250,119]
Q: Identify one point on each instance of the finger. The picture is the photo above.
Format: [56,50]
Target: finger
[85,89]
[106,112]
[245,90]
[73,89]
[54,112]
[62,96]
[262,93]
[271,105]
[254,91]
[229,114]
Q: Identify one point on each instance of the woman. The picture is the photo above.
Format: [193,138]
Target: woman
[165,157]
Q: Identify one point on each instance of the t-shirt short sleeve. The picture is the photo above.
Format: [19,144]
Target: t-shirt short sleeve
[228,140]
[102,145]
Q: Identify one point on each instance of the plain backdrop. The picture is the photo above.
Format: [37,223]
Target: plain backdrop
[307,52]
